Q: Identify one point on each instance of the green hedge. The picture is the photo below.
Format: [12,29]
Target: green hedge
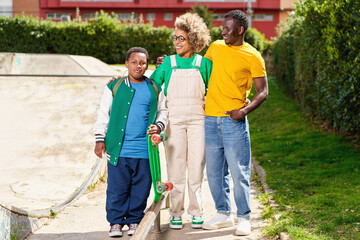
[317,59]
[103,37]
[252,36]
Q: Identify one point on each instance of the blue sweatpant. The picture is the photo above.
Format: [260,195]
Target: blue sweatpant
[129,185]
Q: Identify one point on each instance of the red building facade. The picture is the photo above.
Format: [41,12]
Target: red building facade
[265,17]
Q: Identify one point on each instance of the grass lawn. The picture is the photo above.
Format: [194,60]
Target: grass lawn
[315,175]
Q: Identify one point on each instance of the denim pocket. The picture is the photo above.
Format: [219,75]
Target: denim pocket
[236,121]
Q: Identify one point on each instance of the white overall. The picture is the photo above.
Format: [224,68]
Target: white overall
[185,147]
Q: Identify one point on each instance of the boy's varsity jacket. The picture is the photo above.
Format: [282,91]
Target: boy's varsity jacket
[113,112]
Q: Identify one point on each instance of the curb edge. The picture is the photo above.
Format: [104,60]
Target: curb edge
[23,222]
[262,174]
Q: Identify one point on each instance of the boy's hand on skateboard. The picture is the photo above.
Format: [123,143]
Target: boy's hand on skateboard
[113,79]
[99,149]
[159,60]
[153,129]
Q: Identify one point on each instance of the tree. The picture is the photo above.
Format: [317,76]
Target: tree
[203,11]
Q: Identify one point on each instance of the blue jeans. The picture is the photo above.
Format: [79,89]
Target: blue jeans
[227,145]
[129,185]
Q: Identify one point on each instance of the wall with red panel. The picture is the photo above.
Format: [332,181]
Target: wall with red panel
[176,7]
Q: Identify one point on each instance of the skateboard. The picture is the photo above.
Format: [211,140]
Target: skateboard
[154,159]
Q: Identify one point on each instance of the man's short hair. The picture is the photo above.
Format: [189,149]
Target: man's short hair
[240,17]
[139,50]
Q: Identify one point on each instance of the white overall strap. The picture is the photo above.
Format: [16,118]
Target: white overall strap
[173,61]
[198,61]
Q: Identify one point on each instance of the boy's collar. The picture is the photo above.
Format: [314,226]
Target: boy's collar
[146,79]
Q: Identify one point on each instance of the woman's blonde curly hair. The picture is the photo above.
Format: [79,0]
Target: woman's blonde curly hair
[198,32]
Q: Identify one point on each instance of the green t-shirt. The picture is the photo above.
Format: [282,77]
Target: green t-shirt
[163,73]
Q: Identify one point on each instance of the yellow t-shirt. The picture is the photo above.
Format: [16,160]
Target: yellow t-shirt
[234,67]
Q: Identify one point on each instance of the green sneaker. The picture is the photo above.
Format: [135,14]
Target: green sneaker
[197,222]
[176,223]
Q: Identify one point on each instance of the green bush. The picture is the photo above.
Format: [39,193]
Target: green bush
[317,59]
[252,36]
[103,37]
[255,38]
[215,33]
[25,33]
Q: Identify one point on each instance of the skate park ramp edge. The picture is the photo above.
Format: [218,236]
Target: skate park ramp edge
[33,64]
[18,222]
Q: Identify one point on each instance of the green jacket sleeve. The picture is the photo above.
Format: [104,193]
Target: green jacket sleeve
[206,67]
[158,75]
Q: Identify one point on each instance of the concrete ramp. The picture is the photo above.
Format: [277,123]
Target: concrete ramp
[46,147]
[32,64]
[49,104]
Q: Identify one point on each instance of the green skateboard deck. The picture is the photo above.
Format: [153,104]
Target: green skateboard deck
[155,168]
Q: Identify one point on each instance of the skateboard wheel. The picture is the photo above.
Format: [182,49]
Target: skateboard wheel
[155,138]
[161,188]
[169,186]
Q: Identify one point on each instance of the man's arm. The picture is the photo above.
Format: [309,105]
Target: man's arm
[160,60]
[261,86]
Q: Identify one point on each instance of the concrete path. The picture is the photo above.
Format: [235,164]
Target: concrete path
[86,219]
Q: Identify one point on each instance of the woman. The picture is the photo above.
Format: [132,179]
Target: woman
[185,77]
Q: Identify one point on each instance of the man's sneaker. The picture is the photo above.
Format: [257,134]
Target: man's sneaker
[197,222]
[243,228]
[115,231]
[219,221]
[176,222]
[132,228]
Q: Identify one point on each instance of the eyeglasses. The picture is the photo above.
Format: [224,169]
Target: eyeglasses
[180,38]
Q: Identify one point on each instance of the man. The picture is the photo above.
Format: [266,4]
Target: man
[236,65]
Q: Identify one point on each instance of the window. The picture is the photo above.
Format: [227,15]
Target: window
[168,16]
[50,15]
[6,8]
[150,16]
[218,0]
[263,17]
[96,0]
[123,16]
[218,17]
[126,16]
[64,17]
[88,15]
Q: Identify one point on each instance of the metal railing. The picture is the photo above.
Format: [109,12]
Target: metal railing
[151,215]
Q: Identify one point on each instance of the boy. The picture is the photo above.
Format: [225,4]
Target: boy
[127,108]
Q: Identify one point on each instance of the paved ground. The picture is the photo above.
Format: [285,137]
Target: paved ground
[85,219]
